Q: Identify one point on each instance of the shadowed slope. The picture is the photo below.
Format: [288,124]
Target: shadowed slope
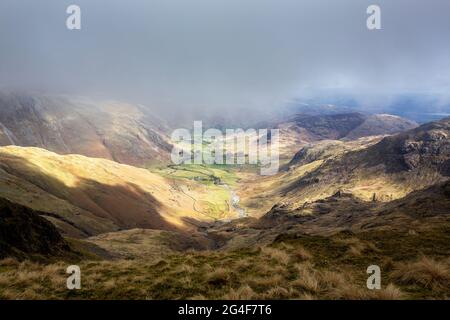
[23,233]
[92,195]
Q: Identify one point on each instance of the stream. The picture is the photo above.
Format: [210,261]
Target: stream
[235,203]
[234,200]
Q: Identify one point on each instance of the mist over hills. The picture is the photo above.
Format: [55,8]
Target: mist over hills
[105,129]
[419,107]
[300,129]
[137,135]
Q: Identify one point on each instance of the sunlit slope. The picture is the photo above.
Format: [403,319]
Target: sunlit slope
[90,196]
[383,171]
[260,194]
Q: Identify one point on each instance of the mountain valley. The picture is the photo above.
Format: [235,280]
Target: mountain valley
[90,184]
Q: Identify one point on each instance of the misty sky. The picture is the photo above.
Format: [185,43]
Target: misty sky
[226,54]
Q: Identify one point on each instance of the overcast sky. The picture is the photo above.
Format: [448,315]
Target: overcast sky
[216,54]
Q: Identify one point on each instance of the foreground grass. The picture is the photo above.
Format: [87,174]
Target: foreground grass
[300,267]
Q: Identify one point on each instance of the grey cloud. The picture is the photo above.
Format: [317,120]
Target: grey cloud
[225,54]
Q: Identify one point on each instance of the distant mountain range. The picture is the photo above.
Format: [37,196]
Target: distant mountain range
[418,107]
[299,129]
[133,134]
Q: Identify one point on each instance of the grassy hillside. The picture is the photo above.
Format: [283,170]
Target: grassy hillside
[285,255]
[387,170]
[292,267]
[87,196]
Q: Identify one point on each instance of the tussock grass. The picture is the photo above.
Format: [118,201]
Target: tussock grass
[391,292]
[277,255]
[278,293]
[242,293]
[426,272]
[304,267]
[302,254]
[307,278]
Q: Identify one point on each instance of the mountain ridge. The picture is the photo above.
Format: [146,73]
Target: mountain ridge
[302,129]
[378,168]
[118,131]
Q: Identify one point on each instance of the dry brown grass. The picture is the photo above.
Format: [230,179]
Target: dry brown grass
[280,271]
[277,255]
[307,278]
[391,292]
[107,279]
[27,280]
[278,292]
[265,281]
[242,265]
[307,296]
[426,272]
[331,279]
[355,292]
[185,268]
[9,262]
[219,276]
[302,254]
[243,293]
[349,292]
[356,246]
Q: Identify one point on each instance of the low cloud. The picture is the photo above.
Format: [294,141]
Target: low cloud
[216,55]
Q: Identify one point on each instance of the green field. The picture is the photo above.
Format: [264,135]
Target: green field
[209,185]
